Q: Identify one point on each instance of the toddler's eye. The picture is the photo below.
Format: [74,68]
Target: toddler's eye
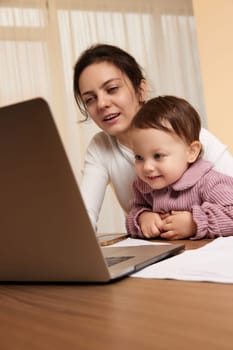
[158,156]
[138,157]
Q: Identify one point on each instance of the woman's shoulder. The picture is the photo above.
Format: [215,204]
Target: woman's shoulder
[102,140]
[102,146]
[216,152]
[210,140]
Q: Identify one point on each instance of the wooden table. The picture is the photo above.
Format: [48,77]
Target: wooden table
[129,314]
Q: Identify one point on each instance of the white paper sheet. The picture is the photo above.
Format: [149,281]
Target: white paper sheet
[212,262]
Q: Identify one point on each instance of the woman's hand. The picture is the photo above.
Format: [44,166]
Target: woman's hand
[178,225]
[150,224]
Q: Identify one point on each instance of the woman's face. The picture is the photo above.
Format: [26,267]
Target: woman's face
[110,98]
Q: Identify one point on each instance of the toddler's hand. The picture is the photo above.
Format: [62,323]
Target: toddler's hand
[178,225]
[150,224]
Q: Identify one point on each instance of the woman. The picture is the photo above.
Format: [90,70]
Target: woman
[110,88]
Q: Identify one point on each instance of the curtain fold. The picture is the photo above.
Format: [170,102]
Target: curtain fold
[40,41]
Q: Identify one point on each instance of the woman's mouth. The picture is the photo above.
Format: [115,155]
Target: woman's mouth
[111,117]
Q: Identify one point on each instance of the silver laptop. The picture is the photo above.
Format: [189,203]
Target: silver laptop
[46,235]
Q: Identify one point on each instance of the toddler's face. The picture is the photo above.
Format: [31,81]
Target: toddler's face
[161,157]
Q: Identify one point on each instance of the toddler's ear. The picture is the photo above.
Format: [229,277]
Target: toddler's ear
[194,151]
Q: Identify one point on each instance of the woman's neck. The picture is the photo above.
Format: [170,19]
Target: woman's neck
[125,140]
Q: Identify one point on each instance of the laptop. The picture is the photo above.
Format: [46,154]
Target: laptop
[46,234]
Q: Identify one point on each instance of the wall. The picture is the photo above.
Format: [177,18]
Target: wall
[214,25]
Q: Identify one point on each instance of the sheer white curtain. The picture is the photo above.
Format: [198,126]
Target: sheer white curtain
[41,40]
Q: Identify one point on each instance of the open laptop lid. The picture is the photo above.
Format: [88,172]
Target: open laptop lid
[45,230]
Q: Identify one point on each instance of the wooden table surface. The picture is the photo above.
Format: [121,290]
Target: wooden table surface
[132,313]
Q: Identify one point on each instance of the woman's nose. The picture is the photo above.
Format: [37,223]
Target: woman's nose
[102,101]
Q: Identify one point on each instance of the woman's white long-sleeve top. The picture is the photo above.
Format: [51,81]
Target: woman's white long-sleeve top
[109,162]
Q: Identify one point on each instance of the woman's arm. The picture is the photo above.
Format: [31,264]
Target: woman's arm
[95,178]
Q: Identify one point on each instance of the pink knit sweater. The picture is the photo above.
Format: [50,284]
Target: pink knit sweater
[203,191]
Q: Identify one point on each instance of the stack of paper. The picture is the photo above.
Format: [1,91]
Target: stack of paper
[212,262]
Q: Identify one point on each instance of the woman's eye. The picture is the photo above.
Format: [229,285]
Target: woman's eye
[112,89]
[138,157]
[89,100]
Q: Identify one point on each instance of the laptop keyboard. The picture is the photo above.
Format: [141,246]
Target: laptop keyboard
[112,260]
